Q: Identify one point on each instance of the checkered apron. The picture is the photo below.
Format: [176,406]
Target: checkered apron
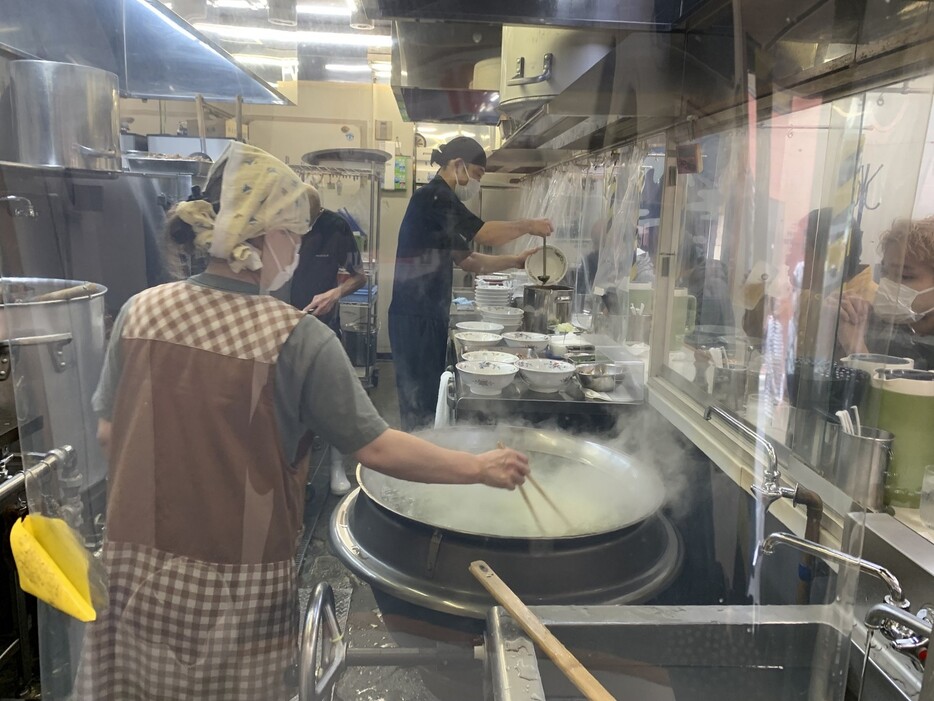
[177,626]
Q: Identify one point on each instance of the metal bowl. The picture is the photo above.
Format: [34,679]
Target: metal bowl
[600,377]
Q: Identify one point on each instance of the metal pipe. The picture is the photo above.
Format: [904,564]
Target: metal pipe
[16,201]
[895,597]
[815,514]
[202,129]
[771,473]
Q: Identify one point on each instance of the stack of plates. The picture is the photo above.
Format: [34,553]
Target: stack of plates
[493,290]
[509,317]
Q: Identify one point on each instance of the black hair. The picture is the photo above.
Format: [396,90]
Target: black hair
[460,147]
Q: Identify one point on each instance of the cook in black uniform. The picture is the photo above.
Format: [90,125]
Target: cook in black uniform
[326,248]
[436,234]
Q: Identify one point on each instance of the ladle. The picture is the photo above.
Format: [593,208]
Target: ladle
[543,278]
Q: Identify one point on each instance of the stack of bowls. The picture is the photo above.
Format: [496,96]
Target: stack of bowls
[493,290]
[509,317]
[491,356]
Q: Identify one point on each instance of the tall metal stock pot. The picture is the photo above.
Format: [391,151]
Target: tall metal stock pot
[66,115]
[609,543]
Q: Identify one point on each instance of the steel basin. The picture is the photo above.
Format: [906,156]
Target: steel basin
[693,653]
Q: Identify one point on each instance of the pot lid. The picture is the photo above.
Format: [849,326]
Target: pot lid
[599,490]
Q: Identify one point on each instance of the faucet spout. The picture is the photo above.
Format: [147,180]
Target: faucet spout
[896,595]
[20,206]
[770,489]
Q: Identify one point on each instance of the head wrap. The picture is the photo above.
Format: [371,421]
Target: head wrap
[460,147]
[259,193]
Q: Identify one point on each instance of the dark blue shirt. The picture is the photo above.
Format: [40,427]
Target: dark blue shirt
[435,234]
[328,247]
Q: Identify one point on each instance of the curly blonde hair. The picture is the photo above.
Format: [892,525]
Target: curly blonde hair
[914,237]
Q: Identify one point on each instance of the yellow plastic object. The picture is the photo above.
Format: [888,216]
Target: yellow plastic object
[53,565]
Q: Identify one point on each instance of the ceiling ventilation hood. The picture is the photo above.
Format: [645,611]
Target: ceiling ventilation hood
[154,53]
[658,15]
[433,68]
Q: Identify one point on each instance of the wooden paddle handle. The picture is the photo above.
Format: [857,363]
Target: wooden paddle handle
[84,290]
[586,683]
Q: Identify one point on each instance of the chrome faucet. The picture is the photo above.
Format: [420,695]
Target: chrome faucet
[770,489]
[895,598]
[906,632]
[20,206]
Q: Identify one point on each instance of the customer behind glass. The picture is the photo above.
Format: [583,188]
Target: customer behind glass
[209,397]
[900,321]
[707,280]
[326,249]
[436,233]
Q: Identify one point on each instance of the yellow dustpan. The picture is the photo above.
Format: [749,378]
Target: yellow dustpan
[53,565]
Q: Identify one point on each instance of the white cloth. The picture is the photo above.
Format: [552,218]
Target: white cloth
[259,194]
[443,410]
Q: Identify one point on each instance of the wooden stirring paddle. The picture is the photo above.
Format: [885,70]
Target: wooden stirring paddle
[586,683]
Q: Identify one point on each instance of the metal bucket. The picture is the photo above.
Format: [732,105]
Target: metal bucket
[860,463]
[66,115]
[360,346]
[546,305]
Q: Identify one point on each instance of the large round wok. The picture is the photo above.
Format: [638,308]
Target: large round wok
[415,541]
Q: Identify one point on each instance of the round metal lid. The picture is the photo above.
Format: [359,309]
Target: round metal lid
[599,490]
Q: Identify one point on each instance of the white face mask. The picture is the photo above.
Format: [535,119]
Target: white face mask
[894,302]
[468,191]
[280,259]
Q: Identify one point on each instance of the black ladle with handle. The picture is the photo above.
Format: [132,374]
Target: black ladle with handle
[543,278]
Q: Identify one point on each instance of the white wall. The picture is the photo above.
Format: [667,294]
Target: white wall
[326,115]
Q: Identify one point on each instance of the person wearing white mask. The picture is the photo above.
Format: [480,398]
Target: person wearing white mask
[209,399]
[436,233]
[900,319]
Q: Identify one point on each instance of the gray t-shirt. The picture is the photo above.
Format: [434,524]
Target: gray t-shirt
[316,386]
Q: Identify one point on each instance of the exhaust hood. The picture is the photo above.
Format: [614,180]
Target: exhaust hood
[432,71]
[154,53]
[658,15]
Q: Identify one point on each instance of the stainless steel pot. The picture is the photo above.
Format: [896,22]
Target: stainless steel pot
[359,346]
[546,305]
[66,115]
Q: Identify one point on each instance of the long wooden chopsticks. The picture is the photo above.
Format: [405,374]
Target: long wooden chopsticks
[540,490]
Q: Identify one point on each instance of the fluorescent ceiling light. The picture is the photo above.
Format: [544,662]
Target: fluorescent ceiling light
[263,34]
[348,67]
[304,8]
[258,60]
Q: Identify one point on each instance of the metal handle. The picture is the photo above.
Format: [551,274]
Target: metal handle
[321,614]
[520,79]
[95,152]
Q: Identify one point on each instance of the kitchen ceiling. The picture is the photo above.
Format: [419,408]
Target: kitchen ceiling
[321,45]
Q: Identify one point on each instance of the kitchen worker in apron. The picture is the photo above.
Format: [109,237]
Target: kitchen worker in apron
[436,233]
[326,249]
[209,397]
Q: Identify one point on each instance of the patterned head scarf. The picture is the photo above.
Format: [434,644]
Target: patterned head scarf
[259,194]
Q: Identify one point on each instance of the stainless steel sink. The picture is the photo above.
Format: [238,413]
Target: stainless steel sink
[693,653]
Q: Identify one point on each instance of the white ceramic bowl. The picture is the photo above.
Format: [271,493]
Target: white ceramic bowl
[477,339]
[526,339]
[484,326]
[490,356]
[511,328]
[484,378]
[545,376]
[501,311]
